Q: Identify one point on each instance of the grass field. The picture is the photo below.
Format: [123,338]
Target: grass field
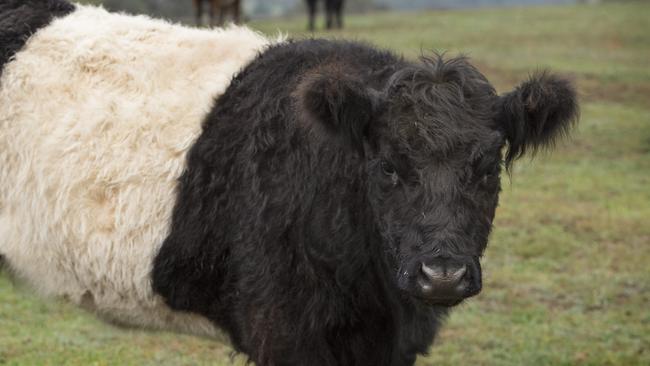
[567,272]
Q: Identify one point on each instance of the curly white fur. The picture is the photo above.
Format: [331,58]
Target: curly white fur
[97,113]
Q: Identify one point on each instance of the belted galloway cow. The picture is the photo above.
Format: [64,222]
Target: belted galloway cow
[312,202]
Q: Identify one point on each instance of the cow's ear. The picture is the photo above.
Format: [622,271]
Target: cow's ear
[537,113]
[340,104]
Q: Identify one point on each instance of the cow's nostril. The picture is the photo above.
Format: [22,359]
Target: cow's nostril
[440,273]
[433,273]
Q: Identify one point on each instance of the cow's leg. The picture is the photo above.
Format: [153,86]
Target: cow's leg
[215,5]
[311,7]
[330,9]
[339,14]
[198,7]
[223,9]
[237,11]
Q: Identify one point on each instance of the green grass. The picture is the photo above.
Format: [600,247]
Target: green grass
[567,272]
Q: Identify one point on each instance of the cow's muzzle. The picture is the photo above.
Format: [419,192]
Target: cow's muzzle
[442,280]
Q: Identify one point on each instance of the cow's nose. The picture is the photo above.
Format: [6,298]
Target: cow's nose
[444,281]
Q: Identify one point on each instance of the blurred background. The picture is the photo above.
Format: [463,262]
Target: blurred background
[255,9]
[567,271]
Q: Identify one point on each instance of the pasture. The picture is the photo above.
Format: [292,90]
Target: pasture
[567,271]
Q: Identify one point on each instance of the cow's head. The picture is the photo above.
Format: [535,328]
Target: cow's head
[435,138]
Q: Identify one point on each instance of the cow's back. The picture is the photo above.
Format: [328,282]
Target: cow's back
[97,111]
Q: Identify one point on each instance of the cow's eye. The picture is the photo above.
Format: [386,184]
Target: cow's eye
[489,179]
[486,179]
[387,168]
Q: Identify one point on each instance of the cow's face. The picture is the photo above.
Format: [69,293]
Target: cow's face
[432,138]
[434,161]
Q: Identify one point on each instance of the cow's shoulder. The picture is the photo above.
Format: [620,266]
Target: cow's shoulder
[19,19]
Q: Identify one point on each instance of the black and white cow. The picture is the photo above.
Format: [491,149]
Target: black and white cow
[317,202]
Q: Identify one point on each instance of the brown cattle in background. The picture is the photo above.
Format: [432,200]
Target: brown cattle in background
[218,6]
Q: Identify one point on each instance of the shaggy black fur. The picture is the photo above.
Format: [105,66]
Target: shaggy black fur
[333,13]
[324,177]
[19,19]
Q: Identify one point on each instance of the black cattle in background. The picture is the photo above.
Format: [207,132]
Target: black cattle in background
[333,13]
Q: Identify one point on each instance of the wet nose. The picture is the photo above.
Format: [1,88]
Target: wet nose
[444,281]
